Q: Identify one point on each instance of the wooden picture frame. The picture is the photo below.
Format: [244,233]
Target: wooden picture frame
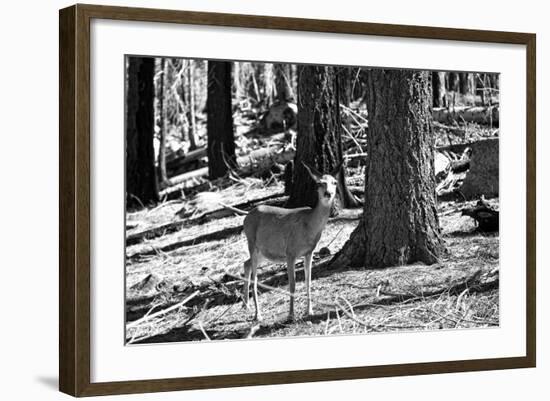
[74,204]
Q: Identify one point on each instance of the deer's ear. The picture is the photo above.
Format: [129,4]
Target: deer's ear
[336,170]
[314,174]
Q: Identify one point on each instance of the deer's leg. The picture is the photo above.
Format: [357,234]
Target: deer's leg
[307,271]
[254,257]
[246,283]
[290,262]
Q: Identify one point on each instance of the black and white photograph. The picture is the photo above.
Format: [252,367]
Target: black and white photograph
[269,199]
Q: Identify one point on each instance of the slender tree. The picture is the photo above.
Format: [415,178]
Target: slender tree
[318,141]
[400,223]
[481,87]
[191,106]
[439,92]
[344,85]
[453,81]
[466,83]
[237,81]
[283,83]
[141,183]
[163,106]
[221,142]
[344,90]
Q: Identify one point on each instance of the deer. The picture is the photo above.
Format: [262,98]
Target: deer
[285,235]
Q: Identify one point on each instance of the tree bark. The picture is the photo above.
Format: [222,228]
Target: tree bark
[400,223]
[318,141]
[221,142]
[141,183]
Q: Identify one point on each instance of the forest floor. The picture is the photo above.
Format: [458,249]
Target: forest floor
[183,279]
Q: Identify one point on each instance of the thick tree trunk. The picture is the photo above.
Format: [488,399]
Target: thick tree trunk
[438,89]
[221,142]
[141,184]
[319,135]
[400,223]
[163,125]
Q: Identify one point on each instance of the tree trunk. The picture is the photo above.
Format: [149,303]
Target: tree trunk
[191,106]
[294,80]
[283,82]
[453,81]
[319,135]
[221,142]
[253,89]
[465,83]
[141,184]
[400,223]
[237,85]
[481,85]
[163,126]
[438,89]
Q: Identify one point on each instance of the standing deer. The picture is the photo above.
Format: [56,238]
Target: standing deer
[281,234]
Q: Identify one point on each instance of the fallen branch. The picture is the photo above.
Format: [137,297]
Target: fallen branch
[204,332]
[212,236]
[162,312]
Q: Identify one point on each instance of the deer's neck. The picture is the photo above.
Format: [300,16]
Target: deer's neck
[319,216]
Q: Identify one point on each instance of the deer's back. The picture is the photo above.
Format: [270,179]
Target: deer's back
[277,231]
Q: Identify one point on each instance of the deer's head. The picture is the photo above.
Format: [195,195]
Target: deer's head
[327,184]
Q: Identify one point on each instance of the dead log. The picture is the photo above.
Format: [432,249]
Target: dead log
[472,114]
[257,162]
[262,160]
[459,166]
[191,156]
[185,177]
